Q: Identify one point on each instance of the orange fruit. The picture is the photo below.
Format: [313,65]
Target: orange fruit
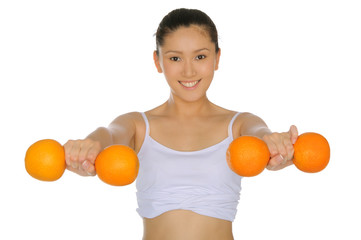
[312,152]
[248,156]
[117,165]
[45,160]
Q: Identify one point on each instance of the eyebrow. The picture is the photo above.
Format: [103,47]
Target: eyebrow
[174,51]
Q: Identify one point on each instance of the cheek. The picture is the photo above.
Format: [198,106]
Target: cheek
[207,69]
[170,73]
[171,70]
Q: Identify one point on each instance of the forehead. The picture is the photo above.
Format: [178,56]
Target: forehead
[188,38]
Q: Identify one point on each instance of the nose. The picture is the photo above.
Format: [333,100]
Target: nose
[189,69]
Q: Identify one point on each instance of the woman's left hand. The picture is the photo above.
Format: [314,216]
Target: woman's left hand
[281,149]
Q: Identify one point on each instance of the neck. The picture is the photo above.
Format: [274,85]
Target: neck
[181,108]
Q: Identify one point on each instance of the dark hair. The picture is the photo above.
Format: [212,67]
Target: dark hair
[183,17]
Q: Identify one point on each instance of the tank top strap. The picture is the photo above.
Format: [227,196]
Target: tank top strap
[146,123]
[230,132]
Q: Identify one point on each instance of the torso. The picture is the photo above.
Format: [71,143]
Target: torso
[186,135]
[183,224]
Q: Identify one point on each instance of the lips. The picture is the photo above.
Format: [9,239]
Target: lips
[189,84]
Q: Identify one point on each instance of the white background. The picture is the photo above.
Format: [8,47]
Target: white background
[68,67]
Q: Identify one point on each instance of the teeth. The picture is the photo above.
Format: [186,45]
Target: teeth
[189,84]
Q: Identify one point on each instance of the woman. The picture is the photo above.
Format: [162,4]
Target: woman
[185,189]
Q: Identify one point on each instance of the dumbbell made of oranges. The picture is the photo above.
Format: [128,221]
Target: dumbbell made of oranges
[116,165]
[248,156]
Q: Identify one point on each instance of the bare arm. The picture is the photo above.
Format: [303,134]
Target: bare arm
[80,155]
[280,145]
[253,126]
[120,131]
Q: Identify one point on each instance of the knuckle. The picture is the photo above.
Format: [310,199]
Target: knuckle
[68,145]
[73,158]
[273,152]
[97,145]
[266,137]
[271,136]
[275,137]
[271,166]
[290,148]
[276,134]
[87,141]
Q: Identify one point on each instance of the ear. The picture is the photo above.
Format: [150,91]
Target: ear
[217,59]
[156,62]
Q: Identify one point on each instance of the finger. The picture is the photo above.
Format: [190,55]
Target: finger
[271,146]
[88,168]
[282,151]
[67,148]
[289,150]
[93,153]
[293,133]
[275,162]
[74,154]
[280,166]
[83,152]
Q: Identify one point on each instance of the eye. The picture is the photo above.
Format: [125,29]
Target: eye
[199,57]
[175,59]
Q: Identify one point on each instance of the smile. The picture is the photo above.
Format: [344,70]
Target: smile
[189,84]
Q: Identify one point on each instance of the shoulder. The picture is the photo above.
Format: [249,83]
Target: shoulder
[239,117]
[246,116]
[127,118]
[132,120]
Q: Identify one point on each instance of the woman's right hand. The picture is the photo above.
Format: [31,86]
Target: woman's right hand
[80,156]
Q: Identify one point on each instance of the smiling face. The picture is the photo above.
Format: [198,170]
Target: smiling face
[188,59]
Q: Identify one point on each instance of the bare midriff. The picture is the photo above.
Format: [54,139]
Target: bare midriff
[184,224]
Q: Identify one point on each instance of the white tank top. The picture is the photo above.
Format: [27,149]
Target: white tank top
[199,181]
